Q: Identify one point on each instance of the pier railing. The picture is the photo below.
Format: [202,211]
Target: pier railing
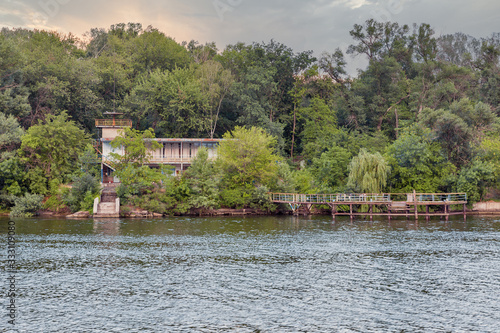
[329,198]
[368,197]
[439,197]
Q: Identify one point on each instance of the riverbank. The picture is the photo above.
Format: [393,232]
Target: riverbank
[490,208]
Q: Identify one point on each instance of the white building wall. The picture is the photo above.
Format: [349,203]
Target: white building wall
[107,149]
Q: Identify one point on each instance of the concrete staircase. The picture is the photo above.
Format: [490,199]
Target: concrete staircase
[108,205]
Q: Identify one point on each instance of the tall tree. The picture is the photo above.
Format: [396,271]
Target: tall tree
[246,156]
[203,178]
[215,83]
[50,149]
[172,103]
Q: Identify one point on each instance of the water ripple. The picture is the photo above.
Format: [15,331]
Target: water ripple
[258,275]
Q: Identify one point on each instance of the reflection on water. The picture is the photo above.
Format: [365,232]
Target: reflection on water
[269,274]
[110,227]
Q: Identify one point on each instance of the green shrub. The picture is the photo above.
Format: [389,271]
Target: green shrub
[55,202]
[7,200]
[79,198]
[27,205]
[87,203]
[260,199]
[236,197]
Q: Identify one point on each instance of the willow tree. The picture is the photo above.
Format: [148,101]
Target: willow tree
[368,172]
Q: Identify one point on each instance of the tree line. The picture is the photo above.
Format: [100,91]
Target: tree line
[422,115]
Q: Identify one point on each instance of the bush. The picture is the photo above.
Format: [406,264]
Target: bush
[159,202]
[55,202]
[7,200]
[87,203]
[27,206]
[239,197]
[260,199]
[85,189]
[475,179]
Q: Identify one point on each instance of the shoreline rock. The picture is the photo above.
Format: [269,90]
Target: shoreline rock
[79,215]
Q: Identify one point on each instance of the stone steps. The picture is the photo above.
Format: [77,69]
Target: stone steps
[107,205]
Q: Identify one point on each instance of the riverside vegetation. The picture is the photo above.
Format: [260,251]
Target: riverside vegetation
[422,115]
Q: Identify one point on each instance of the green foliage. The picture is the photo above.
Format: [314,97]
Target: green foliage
[12,179]
[283,182]
[320,121]
[203,177]
[81,197]
[260,199]
[172,102]
[252,100]
[153,50]
[38,182]
[51,149]
[57,193]
[87,204]
[459,128]
[10,133]
[368,173]
[140,180]
[171,200]
[89,161]
[27,205]
[303,181]
[330,170]
[475,179]
[246,157]
[12,175]
[215,84]
[137,146]
[236,197]
[135,176]
[451,132]
[417,163]
[489,151]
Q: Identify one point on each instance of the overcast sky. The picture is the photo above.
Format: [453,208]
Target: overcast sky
[318,25]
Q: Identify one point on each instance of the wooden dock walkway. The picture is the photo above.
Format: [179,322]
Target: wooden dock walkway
[385,204]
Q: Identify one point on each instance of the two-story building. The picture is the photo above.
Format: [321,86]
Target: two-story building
[178,153]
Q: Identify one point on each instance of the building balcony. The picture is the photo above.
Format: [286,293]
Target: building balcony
[162,160]
[113,123]
[170,160]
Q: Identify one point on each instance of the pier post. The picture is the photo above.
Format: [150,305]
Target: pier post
[333,207]
[415,204]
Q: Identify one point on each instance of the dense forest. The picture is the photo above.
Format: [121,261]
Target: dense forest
[423,115]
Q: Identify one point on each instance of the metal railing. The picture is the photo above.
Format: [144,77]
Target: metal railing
[438,197]
[328,198]
[367,197]
[160,160]
[113,123]
[166,160]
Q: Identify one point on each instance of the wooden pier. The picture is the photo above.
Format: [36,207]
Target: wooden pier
[385,204]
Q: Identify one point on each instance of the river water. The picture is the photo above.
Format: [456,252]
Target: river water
[255,274]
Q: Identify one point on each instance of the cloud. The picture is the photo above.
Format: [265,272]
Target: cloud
[352,4]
